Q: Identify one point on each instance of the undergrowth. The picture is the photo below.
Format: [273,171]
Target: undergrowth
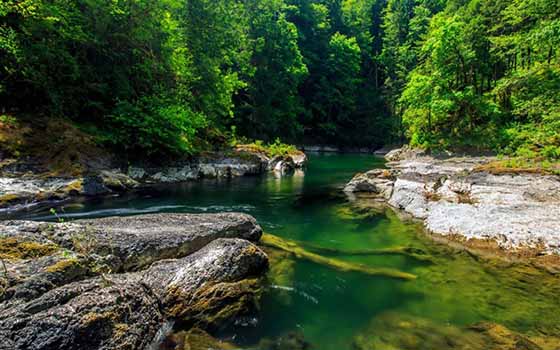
[277,148]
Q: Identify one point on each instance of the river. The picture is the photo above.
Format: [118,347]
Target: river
[335,310]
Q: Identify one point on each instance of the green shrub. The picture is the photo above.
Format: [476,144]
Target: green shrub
[281,149]
[272,150]
[154,124]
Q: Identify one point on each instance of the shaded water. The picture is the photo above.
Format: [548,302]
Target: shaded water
[336,310]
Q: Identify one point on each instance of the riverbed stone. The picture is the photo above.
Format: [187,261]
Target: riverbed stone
[392,330]
[288,341]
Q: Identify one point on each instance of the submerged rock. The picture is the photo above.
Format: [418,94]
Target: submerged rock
[289,341]
[195,339]
[66,296]
[401,331]
[281,276]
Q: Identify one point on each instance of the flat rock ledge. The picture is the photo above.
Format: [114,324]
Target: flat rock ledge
[23,190]
[456,199]
[119,283]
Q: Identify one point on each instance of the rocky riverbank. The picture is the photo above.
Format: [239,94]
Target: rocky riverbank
[120,283]
[23,186]
[458,197]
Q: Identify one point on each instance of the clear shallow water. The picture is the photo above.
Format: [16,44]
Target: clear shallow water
[336,310]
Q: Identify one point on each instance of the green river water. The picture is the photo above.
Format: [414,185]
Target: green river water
[334,310]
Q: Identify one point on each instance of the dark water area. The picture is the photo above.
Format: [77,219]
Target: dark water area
[336,310]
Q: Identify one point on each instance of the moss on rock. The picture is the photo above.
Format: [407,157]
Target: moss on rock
[65,265]
[215,303]
[8,199]
[195,339]
[12,248]
[74,188]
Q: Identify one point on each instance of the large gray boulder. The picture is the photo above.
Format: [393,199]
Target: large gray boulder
[402,153]
[60,289]
[93,314]
[137,241]
[125,311]
[378,181]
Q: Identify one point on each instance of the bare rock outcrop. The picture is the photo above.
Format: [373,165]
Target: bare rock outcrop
[454,196]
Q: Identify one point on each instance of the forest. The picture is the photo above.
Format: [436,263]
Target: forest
[170,76]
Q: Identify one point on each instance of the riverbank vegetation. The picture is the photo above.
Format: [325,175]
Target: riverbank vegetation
[178,77]
[277,148]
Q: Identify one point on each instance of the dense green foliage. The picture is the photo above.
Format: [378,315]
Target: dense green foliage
[488,77]
[169,75]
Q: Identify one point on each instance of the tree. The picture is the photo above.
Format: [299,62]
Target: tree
[216,37]
[339,86]
[270,105]
[442,105]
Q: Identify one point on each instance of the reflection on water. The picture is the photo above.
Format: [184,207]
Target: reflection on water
[305,302]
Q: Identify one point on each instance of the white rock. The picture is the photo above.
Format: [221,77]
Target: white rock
[453,199]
